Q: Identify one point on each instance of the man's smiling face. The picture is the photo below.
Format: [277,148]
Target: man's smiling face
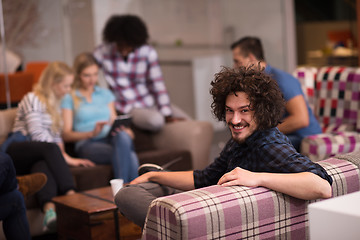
[239,117]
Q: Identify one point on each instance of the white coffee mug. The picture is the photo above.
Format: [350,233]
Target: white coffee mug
[116,185]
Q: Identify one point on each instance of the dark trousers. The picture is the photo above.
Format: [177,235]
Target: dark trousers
[30,157]
[12,205]
[133,201]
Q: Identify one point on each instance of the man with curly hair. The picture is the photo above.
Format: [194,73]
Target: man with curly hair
[258,154]
[298,120]
[132,71]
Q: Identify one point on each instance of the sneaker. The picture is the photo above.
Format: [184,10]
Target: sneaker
[31,183]
[149,167]
[50,221]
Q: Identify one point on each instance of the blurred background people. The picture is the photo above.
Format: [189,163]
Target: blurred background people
[133,73]
[12,205]
[35,144]
[12,192]
[88,113]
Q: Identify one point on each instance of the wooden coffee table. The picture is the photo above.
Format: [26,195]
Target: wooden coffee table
[92,215]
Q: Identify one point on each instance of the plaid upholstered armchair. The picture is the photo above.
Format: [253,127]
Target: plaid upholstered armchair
[333,93]
[237,212]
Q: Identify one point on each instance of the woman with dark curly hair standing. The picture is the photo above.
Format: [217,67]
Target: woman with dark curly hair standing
[133,73]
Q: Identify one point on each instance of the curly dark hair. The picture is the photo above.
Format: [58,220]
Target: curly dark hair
[263,92]
[125,29]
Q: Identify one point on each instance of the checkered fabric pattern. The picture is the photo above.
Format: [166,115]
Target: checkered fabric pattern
[322,146]
[306,77]
[217,212]
[137,82]
[335,98]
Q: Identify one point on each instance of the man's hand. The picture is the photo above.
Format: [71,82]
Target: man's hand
[241,177]
[142,179]
[182,180]
[303,185]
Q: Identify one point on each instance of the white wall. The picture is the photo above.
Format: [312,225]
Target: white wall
[267,20]
[206,29]
[198,24]
[63,29]
[211,24]
[48,44]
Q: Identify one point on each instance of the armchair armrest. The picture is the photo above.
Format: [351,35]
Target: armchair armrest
[321,146]
[239,212]
[217,212]
[194,136]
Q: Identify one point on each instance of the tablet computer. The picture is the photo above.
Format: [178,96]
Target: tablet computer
[121,120]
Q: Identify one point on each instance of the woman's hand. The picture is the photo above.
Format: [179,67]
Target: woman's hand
[128,131]
[125,129]
[77,162]
[98,128]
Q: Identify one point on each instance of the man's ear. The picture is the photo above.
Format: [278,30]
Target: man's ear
[252,58]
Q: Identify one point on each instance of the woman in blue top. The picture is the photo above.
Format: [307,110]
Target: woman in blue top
[88,113]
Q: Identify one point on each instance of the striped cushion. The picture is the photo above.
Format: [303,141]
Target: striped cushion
[217,212]
[325,145]
[357,83]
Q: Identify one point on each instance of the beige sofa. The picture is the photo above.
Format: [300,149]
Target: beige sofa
[188,141]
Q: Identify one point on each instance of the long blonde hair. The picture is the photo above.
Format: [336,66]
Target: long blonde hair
[54,73]
[82,61]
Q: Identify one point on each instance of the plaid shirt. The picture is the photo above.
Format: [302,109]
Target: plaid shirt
[264,151]
[137,82]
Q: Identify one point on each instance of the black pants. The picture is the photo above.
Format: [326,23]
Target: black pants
[30,157]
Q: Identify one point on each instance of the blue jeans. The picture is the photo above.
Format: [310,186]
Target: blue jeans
[117,150]
[13,215]
[12,205]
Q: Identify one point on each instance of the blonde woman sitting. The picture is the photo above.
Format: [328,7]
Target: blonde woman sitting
[88,113]
[35,144]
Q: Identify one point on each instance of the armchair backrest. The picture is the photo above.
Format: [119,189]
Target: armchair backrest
[333,94]
[306,77]
[337,98]
[36,68]
[20,83]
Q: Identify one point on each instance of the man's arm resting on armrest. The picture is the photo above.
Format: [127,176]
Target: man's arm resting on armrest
[182,180]
[303,185]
